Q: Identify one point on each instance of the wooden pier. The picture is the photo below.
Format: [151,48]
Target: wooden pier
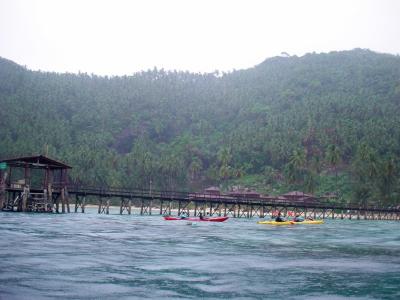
[55,190]
[167,202]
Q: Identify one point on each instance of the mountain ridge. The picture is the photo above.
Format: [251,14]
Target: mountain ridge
[276,122]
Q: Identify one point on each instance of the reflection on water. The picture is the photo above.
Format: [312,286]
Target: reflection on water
[91,256]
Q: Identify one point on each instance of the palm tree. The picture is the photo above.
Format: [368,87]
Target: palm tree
[195,167]
[366,169]
[290,173]
[296,165]
[333,157]
[388,175]
[224,157]
[298,159]
[310,182]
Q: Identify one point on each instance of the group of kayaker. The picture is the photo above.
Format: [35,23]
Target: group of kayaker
[185,215]
[277,219]
[297,218]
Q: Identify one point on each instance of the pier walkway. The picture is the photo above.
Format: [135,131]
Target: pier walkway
[170,202]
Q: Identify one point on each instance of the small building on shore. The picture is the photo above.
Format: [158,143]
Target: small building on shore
[296,196]
[244,193]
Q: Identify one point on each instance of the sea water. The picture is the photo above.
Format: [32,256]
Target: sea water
[92,256]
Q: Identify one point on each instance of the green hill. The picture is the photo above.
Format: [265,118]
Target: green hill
[319,123]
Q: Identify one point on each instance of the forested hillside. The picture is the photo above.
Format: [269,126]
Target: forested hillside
[318,123]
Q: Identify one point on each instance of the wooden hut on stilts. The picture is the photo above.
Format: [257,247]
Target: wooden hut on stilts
[33,184]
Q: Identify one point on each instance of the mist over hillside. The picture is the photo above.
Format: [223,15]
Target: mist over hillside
[319,123]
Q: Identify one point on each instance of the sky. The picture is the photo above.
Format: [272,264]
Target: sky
[121,37]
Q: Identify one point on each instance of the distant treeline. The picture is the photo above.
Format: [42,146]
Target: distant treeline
[319,123]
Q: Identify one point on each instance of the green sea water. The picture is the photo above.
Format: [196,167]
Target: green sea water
[91,256]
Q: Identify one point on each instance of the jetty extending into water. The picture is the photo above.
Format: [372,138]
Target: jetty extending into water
[53,194]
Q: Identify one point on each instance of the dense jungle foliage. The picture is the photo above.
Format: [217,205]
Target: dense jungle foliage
[319,123]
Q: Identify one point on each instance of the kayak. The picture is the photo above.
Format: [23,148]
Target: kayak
[210,219]
[310,222]
[276,223]
[291,222]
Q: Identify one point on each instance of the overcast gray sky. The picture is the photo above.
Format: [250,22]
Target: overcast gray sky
[115,37]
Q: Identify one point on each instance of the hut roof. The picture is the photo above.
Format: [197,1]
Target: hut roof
[244,194]
[36,162]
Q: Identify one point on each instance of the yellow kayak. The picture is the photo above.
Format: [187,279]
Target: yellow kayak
[310,222]
[276,223]
[291,222]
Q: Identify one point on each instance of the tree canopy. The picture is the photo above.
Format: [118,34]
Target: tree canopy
[320,123]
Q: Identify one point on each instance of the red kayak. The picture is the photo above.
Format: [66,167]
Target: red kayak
[210,219]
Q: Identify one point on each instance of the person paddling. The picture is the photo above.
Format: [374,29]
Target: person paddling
[298,218]
[279,218]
